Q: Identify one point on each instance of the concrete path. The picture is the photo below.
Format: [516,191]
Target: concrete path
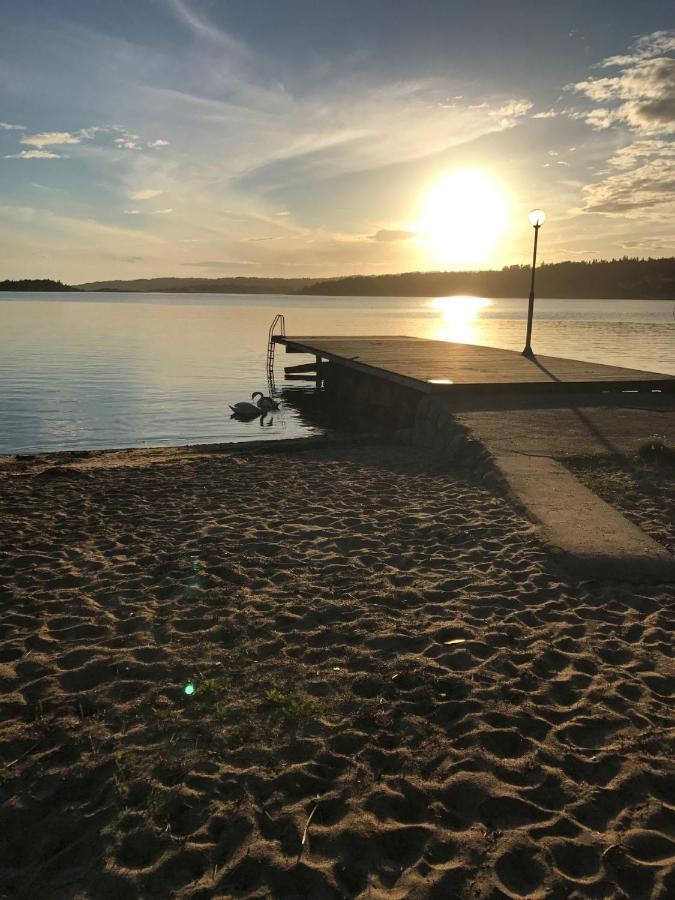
[583,429]
[590,537]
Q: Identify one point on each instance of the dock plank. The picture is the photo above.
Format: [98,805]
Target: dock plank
[445,365]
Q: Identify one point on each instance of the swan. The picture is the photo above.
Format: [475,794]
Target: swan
[266,403]
[246,410]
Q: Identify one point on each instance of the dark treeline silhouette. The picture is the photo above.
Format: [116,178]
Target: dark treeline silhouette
[624,278]
[240,284]
[35,284]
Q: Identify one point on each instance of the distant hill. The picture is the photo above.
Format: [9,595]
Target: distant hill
[601,279]
[624,278]
[234,285]
[35,284]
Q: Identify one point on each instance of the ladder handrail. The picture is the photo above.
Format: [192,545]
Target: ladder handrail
[271,345]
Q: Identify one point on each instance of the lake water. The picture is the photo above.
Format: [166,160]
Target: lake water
[92,371]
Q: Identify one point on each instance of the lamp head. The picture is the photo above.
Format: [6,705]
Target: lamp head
[537,217]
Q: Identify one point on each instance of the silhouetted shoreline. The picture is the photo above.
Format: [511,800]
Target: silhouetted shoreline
[36,284]
[616,279]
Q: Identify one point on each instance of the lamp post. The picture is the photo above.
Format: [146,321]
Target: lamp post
[537,218]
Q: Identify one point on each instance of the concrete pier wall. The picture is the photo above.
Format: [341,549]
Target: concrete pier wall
[366,402]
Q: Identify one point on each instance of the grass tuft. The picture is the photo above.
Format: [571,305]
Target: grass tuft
[657,450]
[293,708]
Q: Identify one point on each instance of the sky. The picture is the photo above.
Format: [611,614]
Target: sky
[206,138]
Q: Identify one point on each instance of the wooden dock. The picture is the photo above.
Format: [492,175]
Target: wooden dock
[468,371]
[453,398]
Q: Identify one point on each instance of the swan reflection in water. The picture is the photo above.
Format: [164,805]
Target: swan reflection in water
[247,412]
[251,417]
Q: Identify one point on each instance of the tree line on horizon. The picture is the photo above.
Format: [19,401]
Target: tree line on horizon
[625,278]
[35,284]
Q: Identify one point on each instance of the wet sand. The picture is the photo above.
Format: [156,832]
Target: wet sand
[385,662]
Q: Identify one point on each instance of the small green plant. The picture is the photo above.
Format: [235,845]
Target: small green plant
[293,708]
[211,693]
[157,804]
[657,450]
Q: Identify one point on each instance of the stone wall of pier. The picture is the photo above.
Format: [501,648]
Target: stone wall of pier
[367,403]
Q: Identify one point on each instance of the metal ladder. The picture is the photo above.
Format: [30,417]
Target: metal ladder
[281,322]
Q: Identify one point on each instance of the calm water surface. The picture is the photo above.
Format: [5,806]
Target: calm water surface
[129,370]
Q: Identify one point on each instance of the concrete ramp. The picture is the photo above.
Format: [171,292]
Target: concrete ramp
[590,537]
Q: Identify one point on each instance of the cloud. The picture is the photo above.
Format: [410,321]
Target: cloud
[351,130]
[641,182]
[90,133]
[546,114]
[146,194]
[212,36]
[646,47]
[126,140]
[627,157]
[127,144]
[210,264]
[35,154]
[392,234]
[667,243]
[642,93]
[640,97]
[634,192]
[510,112]
[152,212]
[47,138]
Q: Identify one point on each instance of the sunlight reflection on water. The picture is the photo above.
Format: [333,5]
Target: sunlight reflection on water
[128,370]
[459,317]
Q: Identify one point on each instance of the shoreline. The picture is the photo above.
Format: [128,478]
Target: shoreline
[385,660]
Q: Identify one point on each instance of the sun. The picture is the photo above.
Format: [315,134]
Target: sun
[463,217]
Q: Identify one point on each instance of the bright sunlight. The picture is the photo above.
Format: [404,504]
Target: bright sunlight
[463,217]
[458,318]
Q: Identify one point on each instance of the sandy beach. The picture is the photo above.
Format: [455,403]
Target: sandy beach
[396,692]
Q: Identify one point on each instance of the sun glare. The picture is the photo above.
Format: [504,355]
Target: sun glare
[463,217]
[458,318]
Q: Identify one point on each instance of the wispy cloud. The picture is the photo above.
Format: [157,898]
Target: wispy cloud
[392,234]
[642,94]
[639,100]
[209,264]
[128,144]
[636,191]
[48,138]
[236,52]
[645,47]
[35,154]
[652,243]
[7,126]
[146,194]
